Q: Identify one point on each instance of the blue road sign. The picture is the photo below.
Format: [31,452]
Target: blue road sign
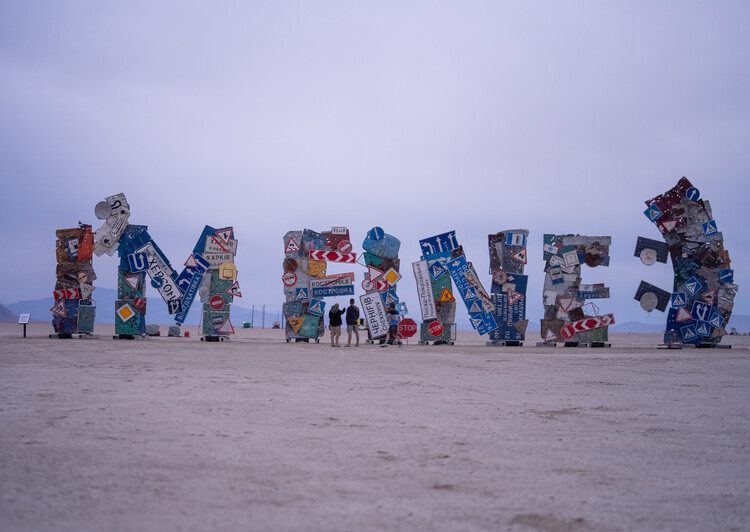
[191,291]
[716,320]
[726,276]
[689,335]
[436,244]
[709,228]
[437,270]
[515,239]
[482,321]
[138,261]
[678,300]
[701,311]
[389,297]
[316,307]
[653,213]
[332,291]
[692,286]
[301,294]
[693,194]
[703,328]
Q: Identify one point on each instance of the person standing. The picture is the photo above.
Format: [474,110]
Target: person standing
[334,321]
[392,335]
[352,323]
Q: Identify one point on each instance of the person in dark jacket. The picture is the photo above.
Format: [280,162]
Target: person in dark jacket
[352,323]
[334,321]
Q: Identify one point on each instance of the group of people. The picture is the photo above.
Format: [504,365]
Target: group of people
[352,324]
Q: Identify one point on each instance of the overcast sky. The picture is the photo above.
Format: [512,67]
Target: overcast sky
[419,117]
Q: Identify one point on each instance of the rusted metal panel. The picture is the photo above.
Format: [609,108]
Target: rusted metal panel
[652,297]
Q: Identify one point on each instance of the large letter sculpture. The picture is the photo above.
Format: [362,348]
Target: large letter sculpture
[306,256]
[381,279]
[564,296]
[74,311]
[704,289]
[507,261]
[140,255]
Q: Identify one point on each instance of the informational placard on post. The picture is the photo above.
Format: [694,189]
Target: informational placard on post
[374,311]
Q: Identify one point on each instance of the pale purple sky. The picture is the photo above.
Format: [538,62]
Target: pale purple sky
[419,117]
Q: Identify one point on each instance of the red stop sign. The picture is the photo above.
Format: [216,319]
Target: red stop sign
[216,302]
[407,328]
[435,328]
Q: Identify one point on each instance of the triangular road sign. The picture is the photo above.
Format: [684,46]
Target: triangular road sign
[709,297]
[678,300]
[132,281]
[513,296]
[520,255]
[688,333]
[565,303]
[475,307]
[234,290]
[226,327]
[190,262]
[389,297]
[471,293]
[446,295]
[683,315]
[59,308]
[551,337]
[315,308]
[296,322]
[225,235]
[669,225]
[374,273]
[703,328]
[716,320]
[291,246]
[476,322]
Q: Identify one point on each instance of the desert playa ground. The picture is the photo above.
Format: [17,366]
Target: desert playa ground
[257,434]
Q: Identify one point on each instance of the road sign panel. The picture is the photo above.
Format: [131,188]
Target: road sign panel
[234,290]
[373,272]
[226,327]
[214,244]
[296,322]
[227,271]
[216,302]
[689,336]
[225,234]
[435,328]
[693,194]
[703,328]
[58,309]
[716,320]
[709,228]
[424,290]
[692,286]
[316,307]
[436,270]
[593,322]
[389,297]
[683,314]
[439,243]
[653,213]
[374,314]
[332,256]
[678,300]
[345,247]
[301,294]
[392,276]
[446,295]
[407,328]
[520,255]
[726,276]
[668,225]
[709,297]
[701,311]
[125,312]
[515,239]
[289,278]
[138,262]
[292,246]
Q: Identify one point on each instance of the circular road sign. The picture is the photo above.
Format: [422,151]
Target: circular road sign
[289,278]
[407,328]
[500,277]
[139,303]
[345,246]
[216,302]
[435,328]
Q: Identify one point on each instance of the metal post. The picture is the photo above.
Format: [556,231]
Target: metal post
[24,330]
[263,318]
[252,319]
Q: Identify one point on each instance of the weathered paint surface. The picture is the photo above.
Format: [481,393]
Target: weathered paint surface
[701,265]
[74,311]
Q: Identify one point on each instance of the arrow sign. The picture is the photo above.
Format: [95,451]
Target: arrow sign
[569,330]
[726,276]
[332,256]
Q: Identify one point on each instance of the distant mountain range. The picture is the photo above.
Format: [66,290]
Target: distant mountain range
[157,313]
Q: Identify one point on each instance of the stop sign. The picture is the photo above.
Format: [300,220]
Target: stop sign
[435,328]
[407,328]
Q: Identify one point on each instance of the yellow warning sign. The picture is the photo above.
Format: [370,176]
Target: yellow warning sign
[296,323]
[446,295]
